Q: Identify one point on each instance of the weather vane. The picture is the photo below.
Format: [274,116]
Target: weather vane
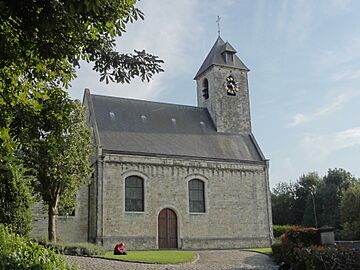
[218,24]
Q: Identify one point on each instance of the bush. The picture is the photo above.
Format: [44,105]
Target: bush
[326,257]
[294,238]
[281,229]
[277,252]
[78,249]
[300,250]
[302,237]
[18,253]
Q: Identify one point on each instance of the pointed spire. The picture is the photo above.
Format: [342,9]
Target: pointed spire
[215,57]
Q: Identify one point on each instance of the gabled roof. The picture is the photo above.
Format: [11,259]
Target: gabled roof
[215,57]
[151,128]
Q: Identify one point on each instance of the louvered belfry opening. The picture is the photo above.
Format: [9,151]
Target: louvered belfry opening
[167,229]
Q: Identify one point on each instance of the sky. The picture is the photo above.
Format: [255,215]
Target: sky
[304,82]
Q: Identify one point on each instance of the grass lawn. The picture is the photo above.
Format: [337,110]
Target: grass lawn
[262,250]
[154,256]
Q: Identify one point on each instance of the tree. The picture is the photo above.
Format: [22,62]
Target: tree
[59,156]
[336,182]
[15,190]
[282,204]
[350,212]
[306,189]
[41,43]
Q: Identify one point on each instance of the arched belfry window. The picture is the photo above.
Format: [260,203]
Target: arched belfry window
[196,196]
[205,89]
[134,194]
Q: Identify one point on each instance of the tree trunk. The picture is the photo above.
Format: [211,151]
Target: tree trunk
[52,223]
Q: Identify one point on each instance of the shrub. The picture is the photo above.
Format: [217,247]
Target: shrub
[326,257]
[78,249]
[281,229]
[18,253]
[300,250]
[294,238]
[277,252]
[301,237]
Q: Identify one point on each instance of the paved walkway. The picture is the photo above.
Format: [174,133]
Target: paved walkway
[208,260]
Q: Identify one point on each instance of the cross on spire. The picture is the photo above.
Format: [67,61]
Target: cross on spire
[218,24]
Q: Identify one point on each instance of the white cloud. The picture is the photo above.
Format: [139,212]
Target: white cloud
[347,138]
[318,147]
[298,119]
[337,104]
[165,33]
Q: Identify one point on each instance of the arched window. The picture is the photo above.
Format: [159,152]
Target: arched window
[134,194]
[205,89]
[196,196]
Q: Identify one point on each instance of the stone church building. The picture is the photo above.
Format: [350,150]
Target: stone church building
[175,176]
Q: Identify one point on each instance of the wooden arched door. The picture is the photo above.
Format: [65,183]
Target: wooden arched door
[167,229]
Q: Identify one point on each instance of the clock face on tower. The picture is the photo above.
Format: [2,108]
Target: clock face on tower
[231,86]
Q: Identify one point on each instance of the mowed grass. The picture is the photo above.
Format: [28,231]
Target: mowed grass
[262,250]
[154,256]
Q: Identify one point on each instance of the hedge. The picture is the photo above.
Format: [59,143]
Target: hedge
[19,252]
[300,250]
[281,229]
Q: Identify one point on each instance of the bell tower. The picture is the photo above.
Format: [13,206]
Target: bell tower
[222,88]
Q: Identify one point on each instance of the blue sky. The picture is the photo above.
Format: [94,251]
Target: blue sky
[304,58]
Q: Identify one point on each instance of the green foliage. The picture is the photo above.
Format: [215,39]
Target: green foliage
[317,257]
[312,200]
[41,43]
[60,154]
[283,204]
[301,237]
[336,182]
[350,213]
[18,253]
[61,33]
[277,253]
[300,250]
[83,249]
[281,229]
[15,191]
[325,257]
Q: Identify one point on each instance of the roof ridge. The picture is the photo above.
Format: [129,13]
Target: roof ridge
[149,101]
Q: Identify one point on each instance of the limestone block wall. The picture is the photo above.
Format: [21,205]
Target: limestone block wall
[237,210]
[230,114]
[69,229]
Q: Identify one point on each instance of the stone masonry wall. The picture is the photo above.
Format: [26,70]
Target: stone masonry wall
[235,194]
[231,114]
[69,229]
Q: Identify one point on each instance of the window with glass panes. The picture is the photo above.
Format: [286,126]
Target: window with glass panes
[134,194]
[196,196]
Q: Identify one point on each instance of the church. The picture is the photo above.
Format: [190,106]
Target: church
[171,176]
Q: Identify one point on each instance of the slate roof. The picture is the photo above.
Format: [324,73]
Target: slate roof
[215,57]
[153,128]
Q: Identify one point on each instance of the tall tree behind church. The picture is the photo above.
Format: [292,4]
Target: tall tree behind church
[41,43]
[60,155]
[311,199]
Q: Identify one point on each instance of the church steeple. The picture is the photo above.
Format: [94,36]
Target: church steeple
[215,57]
[222,87]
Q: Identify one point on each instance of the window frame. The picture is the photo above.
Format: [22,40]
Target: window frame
[190,200]
[126,179]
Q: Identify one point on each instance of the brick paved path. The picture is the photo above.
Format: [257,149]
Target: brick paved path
[208,260]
